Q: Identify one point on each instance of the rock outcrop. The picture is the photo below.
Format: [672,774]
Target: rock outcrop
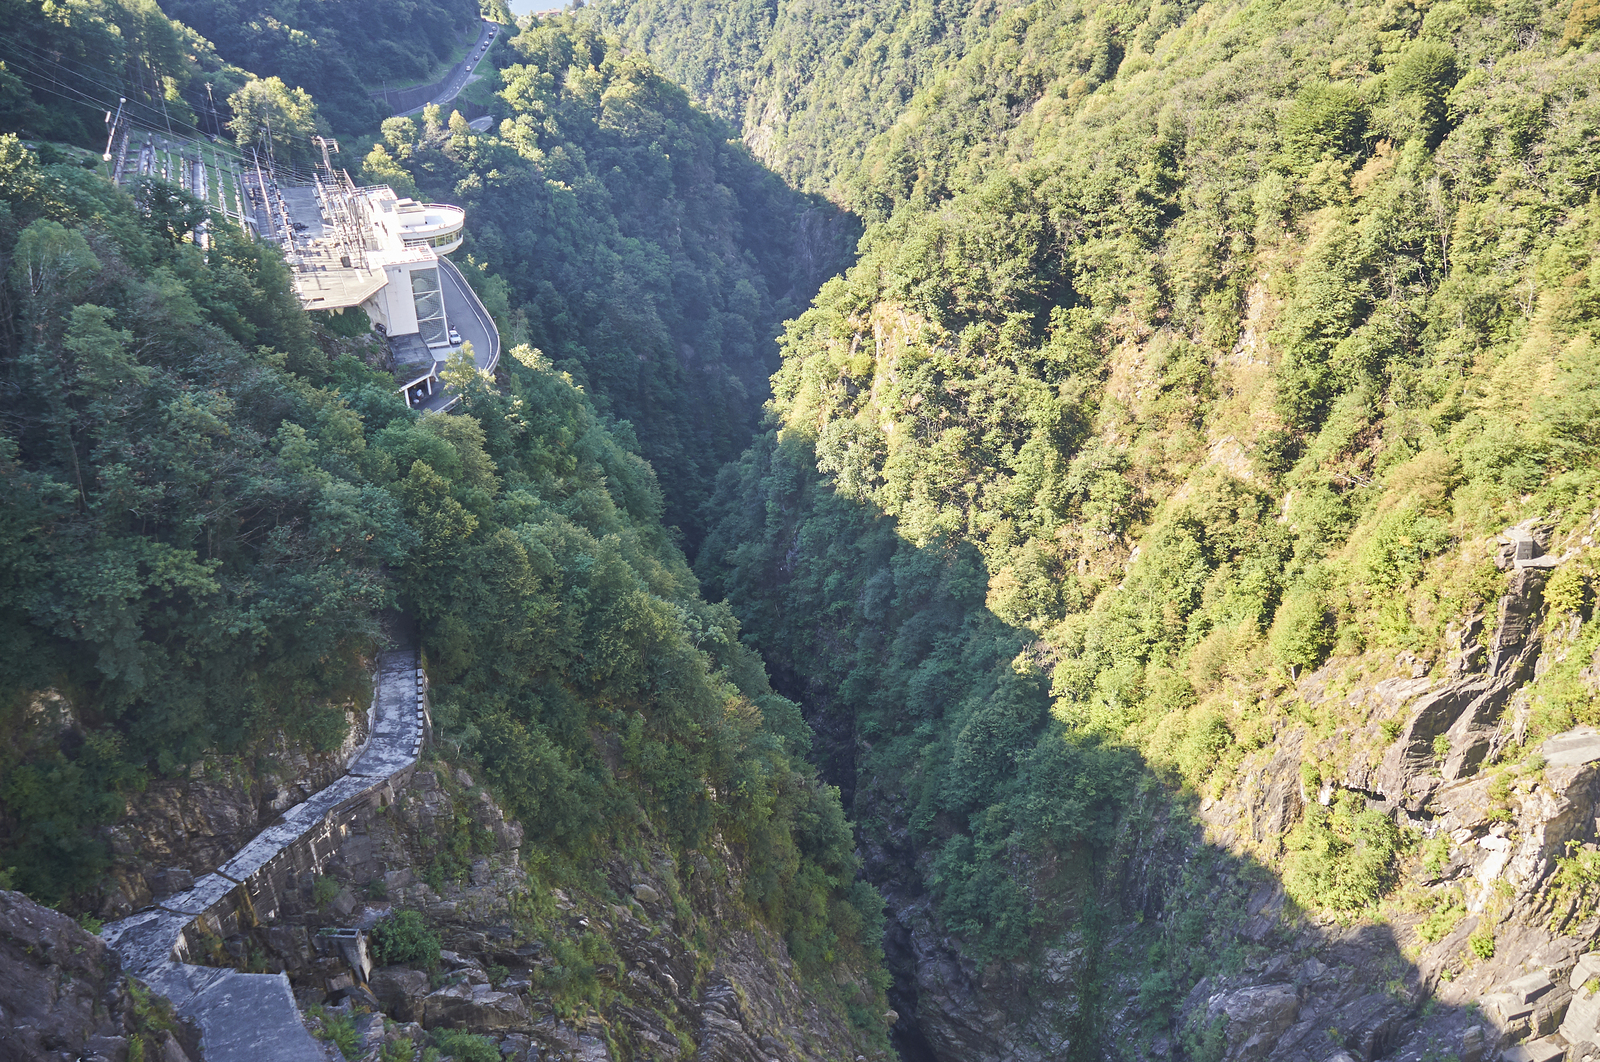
[686,968]
[63,996]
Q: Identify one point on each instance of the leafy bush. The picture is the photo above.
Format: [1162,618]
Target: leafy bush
[1436,854]
[1340,860]
[1207,1041]
[1325,120]
[1423,78]
[1568,591]
[398,1051]
[338,1029]
[323,890]
[1302,631]
[1446,912]
[1392,555]
[404,938]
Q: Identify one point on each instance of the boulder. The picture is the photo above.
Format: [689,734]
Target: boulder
[1542,1050]
[400,989]
[1257,1017]
[646,893]
[1586,967]
[1369,1026]
[1529,988]
[171,880]
[474,1008]
[60,989]
[1582,1023]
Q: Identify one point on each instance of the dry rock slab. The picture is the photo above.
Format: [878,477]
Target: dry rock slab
[1582,1023]
[1542,1050]
[1586,967]
[1257,1017]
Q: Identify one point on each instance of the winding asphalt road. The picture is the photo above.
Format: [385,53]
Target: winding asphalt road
[468,316]
[461,73]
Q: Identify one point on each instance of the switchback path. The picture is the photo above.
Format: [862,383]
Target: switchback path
[253,1017]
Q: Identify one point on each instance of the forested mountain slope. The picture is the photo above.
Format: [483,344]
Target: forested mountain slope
[338,51]
[639,245]
[1193,364]
[63,67]
[811,83]
[1176,526]
[212,498]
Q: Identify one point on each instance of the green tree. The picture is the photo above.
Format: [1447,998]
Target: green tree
[272,118]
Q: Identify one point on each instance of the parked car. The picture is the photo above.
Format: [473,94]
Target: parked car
[455,338]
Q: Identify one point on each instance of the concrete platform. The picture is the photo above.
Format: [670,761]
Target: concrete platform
[205,894]
[241,1016]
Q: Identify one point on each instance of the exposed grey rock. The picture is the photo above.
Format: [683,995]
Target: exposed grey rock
[646,893]
[1369,1026]
[1529,988]
[474,1008]
[1466,710]
[400,990]
[252,1016]
[1582,1022]
[1585,967]
[60,987]
[1542,1050]
[1256,1018]
[170,880]
[1574,748]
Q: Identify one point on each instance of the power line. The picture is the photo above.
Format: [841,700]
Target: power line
[154,118]
[31,57]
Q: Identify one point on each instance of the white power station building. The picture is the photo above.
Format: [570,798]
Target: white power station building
[369,248]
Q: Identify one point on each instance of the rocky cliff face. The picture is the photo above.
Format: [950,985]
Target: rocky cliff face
[63,997]
[1479,949]
[654,959]
[176,830]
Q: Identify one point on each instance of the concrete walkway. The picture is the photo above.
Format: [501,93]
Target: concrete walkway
[253,1017]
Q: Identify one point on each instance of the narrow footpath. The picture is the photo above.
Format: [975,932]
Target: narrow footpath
[253,1017]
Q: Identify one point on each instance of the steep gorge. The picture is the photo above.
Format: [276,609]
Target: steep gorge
[1175,529]
[1140,520]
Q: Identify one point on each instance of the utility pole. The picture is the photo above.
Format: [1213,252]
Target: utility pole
[112,123]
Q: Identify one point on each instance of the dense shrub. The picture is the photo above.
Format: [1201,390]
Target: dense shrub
[1341,859]
[404,938]
[465,1046]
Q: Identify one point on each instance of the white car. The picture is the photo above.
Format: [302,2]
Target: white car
[455,338]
